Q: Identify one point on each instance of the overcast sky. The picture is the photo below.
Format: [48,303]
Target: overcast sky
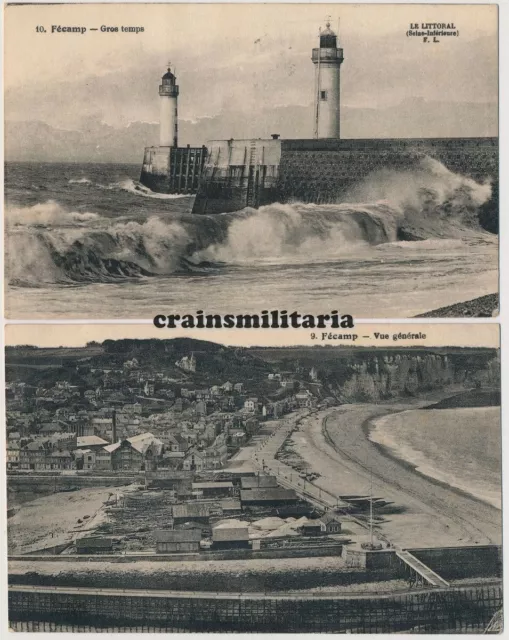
[236,58]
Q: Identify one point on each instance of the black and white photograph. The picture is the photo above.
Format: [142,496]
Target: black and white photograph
[170,155]
[219,483]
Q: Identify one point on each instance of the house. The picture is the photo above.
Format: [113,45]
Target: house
[226,402]
[62,441]
[182,442]
[201,408]
[238,387]
[194,461]
[313,528]
[61,460]
[230,507]
[304,399]
[213,489]
[178,541]
[251,425]
[237,438]
[172,459]
[93,545]
[269,497]
[49,428]
[88,459]
[33,456]
[331,522]
[103,459]
[227,387]
[187,363]
[42,455]
[212,457]
[13,457]
[103,426]
[131,364]
[191,512]
[170,441]
[231,535]
[251,405]
[140,452]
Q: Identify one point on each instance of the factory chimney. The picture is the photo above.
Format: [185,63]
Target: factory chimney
[168,125]
[114,427]
[327,60]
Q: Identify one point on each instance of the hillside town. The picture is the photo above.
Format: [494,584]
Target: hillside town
[172,446]
[141,420]
[188,467]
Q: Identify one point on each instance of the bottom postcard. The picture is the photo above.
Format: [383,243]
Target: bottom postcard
[234,481]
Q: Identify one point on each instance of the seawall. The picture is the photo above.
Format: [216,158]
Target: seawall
[240,173]
[459,610]
[172,169]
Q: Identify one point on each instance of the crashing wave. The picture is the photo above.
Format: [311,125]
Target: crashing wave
[46,243]
[131,186]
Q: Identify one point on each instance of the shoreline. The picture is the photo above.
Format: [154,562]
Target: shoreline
[427,512]
[370,425]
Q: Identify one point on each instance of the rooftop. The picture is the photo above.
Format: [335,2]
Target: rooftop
[212,485]
[179,535]
[191,510]
[268,495]
[258,481]
[89,441]
[230,534]
[103,543]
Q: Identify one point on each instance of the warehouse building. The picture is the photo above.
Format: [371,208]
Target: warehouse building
[181,541]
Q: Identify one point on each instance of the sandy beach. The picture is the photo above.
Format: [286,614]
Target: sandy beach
[335,443]
[34,527]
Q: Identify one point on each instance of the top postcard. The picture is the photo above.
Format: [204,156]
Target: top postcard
[169,158]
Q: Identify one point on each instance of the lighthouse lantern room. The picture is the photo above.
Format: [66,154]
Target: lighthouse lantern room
[168,126]
[327,59]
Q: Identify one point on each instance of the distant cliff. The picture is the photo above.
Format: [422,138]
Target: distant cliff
[381,378]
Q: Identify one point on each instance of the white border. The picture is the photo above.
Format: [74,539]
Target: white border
[503,318]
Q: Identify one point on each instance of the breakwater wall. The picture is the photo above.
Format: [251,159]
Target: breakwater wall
[320,551]
[454,563]
[460,610]
[173,169]
[224,578]
[242,173]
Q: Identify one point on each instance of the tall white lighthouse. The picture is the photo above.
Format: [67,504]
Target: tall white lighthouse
[327,60]
[168,125]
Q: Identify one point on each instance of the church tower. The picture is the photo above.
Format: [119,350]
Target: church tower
[168,125]
[327,60]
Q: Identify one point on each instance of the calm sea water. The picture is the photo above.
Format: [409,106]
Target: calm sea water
[87,241]
[461,447]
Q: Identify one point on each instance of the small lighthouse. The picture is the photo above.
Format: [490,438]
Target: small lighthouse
[168,126]
[327,60]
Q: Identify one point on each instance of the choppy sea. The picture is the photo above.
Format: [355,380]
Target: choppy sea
[88,241]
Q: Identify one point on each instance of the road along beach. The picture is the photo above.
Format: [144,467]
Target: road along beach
[335,443]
